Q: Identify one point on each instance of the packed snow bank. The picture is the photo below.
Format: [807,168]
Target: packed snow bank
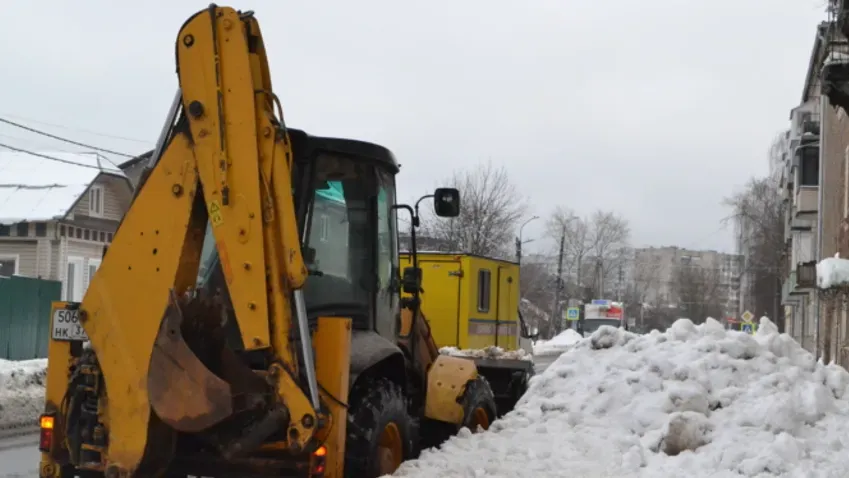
[488,352]
[558,344]
[21,391]
[832,272]
[694,401]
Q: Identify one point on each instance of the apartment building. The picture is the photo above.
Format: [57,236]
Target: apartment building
[656,272]
[814,182]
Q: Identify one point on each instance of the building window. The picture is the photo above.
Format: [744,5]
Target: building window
[5,231]
[809,168]
[87,235]
[74,280]
[79,233]
[40,229]
[95,201]
[22,229]
[8,265]
[108,237]
[93,265]
[102,236]
[484,289]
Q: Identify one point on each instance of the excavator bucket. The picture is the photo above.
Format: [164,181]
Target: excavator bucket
[183,392]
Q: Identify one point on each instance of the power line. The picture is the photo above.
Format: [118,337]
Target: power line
[34,144]
[77,143]
[52,158]
[105,135]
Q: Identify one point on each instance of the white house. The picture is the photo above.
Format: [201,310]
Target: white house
[57,214]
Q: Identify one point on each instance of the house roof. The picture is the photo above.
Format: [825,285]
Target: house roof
[132,162]
[816,52]
[35,188]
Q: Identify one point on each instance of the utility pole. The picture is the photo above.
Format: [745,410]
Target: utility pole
[519,240]
[518,251]
[555,310]
[619,288]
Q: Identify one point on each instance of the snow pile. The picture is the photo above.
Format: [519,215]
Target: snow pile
[490,352]
[559,344]
[21,391]
[832,272]
[694,401]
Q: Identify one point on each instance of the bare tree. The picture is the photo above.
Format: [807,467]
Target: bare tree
[699,292]
[575,232]
[644,278]
[610,234]
[758,214]
[537,285]
[490,208]
[594,247]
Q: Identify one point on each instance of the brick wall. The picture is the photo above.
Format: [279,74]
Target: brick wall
[834,142]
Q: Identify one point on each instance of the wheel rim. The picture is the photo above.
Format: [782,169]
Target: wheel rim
[390,449]
[479,418]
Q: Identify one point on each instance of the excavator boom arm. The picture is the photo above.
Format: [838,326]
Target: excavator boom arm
[227,161]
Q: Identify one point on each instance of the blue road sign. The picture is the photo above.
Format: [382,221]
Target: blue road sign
[572,313]
[748,328]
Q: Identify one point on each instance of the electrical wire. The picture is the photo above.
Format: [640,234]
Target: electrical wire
[45,156]
[53,136]
[105,135]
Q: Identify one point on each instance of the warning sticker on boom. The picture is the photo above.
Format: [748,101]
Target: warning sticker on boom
[215,216]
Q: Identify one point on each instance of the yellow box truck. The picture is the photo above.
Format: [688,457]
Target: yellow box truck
[472,304]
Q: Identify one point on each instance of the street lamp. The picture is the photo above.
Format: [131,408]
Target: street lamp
[519,239]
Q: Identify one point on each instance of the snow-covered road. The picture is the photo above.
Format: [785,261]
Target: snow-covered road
[21,397]
[19,455]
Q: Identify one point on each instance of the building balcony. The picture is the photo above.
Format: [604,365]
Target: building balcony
[791,291]
[806,200]
[835,75]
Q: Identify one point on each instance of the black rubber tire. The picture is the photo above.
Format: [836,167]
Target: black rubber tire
[478,394]
[518,391]
[373,404]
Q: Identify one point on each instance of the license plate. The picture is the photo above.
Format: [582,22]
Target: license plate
[67,327]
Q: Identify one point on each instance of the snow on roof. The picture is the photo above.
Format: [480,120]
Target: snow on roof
[832,272]
[694,401]
[34,188]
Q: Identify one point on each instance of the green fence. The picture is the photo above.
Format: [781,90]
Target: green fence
[25,316]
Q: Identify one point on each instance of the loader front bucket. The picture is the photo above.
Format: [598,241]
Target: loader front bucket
[183,392]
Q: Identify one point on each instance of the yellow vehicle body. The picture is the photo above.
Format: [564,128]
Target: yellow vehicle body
[233,369]
[470,301]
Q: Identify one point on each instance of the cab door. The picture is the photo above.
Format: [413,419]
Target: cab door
[506,314]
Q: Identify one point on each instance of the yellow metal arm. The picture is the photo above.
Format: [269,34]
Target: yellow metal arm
[228,161]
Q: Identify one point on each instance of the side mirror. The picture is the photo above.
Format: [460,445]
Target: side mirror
[533,334]
[446,202]
[412,280]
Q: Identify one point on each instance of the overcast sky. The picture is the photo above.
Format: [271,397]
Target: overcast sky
[656,109]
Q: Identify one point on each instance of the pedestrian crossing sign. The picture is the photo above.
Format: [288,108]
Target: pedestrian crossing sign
[573,313]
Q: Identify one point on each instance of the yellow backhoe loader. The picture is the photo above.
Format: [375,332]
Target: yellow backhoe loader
[247,318]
